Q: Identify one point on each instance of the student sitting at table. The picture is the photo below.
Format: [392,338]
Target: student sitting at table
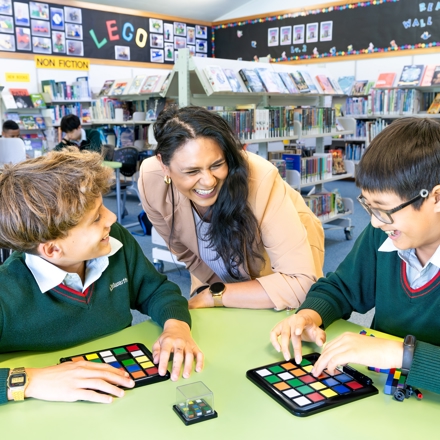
[76,276]
[10,129]
[247,238]
[393,266]
[76,136]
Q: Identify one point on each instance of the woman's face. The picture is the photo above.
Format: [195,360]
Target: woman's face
[198,170]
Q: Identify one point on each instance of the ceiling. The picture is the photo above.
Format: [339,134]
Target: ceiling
[200,10]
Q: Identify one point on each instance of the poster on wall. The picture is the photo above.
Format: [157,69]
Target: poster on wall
[43,28]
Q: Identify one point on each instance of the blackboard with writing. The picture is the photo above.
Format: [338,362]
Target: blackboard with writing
[367,27]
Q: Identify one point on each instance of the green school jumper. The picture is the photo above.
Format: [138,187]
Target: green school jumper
[368,278]
[63,317]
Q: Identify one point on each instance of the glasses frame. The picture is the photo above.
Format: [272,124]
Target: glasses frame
[377,212]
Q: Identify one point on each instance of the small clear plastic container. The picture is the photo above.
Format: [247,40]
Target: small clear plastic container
[194,403]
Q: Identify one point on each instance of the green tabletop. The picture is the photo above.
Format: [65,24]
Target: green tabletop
[233,341]
[112,164]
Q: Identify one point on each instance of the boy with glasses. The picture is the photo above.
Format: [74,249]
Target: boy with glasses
[393,266]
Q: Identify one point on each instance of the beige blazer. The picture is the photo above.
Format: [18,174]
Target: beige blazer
[292,236]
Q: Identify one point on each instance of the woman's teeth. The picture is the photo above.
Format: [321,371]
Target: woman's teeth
[203,192]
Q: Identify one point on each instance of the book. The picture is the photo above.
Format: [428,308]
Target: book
[136,84]
[434,108]
[120,87]
[309,81]
[234,81]
[359,87]
[154,107]
[346,84]
[49,86]
[29,123]
[105,90]
[39,120]
[37,100]
[325,85]
[436,76]
[151,83]
[385,80]
[164,85]
[368,87]
[299,81]
[288,82]
[14,117]
[336,86]
[86,116]
[217,79]
[251,80]
[270,82]
[22,98]
[8,99]
[410,76]
[427,75]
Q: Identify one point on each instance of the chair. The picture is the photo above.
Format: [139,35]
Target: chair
[128,156]
[12,150]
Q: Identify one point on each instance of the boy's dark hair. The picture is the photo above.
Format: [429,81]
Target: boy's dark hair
[10,125]
[44,198]
[69,123]
[403,159]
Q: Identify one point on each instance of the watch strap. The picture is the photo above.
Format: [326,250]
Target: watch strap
[18,394]
[408,353]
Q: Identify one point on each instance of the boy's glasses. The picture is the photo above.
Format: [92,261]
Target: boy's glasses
[385,215]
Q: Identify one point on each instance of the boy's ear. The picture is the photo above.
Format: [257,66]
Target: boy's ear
[49,250]
[165,169]
[436,193]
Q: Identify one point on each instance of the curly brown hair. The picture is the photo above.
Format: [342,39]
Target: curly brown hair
[43,198]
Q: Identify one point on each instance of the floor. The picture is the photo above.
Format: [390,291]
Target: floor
[336,244]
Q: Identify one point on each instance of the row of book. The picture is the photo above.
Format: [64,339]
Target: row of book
[416,75]
[19,98]
[57,111]
[140,84]
[27,122]
[61,91]
[323,205]
[354,151]
[311,169]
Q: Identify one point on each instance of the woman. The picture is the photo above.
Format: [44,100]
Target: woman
[247,238]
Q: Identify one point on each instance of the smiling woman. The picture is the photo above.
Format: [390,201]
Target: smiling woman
[247,238]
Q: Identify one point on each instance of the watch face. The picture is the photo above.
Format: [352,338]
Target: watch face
[217,288]
[17,380]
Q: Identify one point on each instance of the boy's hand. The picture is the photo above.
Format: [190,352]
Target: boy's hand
[304,325]
[71,381]
[176,338]
[359,349]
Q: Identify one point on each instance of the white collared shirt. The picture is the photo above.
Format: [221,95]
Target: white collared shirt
[48,276]
[417,275]
[83,138]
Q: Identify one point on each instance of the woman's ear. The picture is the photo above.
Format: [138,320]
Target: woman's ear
[165,169]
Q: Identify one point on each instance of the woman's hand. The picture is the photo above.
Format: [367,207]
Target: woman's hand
[176,338]
[359,349]
[71,381]
[303,326]
[202,300]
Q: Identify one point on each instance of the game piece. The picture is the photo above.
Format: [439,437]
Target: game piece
[136,359]
[293,386]
[194,403]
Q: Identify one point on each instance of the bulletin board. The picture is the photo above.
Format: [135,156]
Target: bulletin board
[54,29]
[372,27]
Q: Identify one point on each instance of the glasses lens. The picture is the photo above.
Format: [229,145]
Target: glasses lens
[382,216]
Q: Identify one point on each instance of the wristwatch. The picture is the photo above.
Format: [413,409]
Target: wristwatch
[17,382]
[217,290]
[408,353]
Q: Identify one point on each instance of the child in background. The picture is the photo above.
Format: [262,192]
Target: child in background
[76,276]
[393,266]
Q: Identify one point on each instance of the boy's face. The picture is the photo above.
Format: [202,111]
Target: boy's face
[411,229]
[87,240]
[11,133]
[75,135]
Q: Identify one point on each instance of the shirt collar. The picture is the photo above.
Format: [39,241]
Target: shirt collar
[48,276]
[388,246]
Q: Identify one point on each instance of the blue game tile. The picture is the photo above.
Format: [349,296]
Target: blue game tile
[133,368]
[330,382]
[341,389]
[115,364]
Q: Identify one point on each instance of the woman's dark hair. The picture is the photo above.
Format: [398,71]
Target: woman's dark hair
[233,232]
[69,123]
[403,159]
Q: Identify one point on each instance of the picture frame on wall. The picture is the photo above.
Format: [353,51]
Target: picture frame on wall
[285,35]
[169,51]
[23,36]
[190,35]
[179,43]
[156,40]
[298,34]
[75,47]
[201,31]
[156,25]
[312,33]
[156,56]
[168,32]
[6,24]
[41,45]
[192,50]
[21,14]
[201,46]
[38,10]
[72,15]
[58,42]
[74,31]
[57,19]
[122,53]
[6,7]
[40,28]
[273,36]
[179,29]
[326,31]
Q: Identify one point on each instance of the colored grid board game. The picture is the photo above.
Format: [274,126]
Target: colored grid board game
[136,359]
[294,387]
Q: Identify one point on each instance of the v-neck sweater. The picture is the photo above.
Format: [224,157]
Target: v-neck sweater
[369,278]
[62,317]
